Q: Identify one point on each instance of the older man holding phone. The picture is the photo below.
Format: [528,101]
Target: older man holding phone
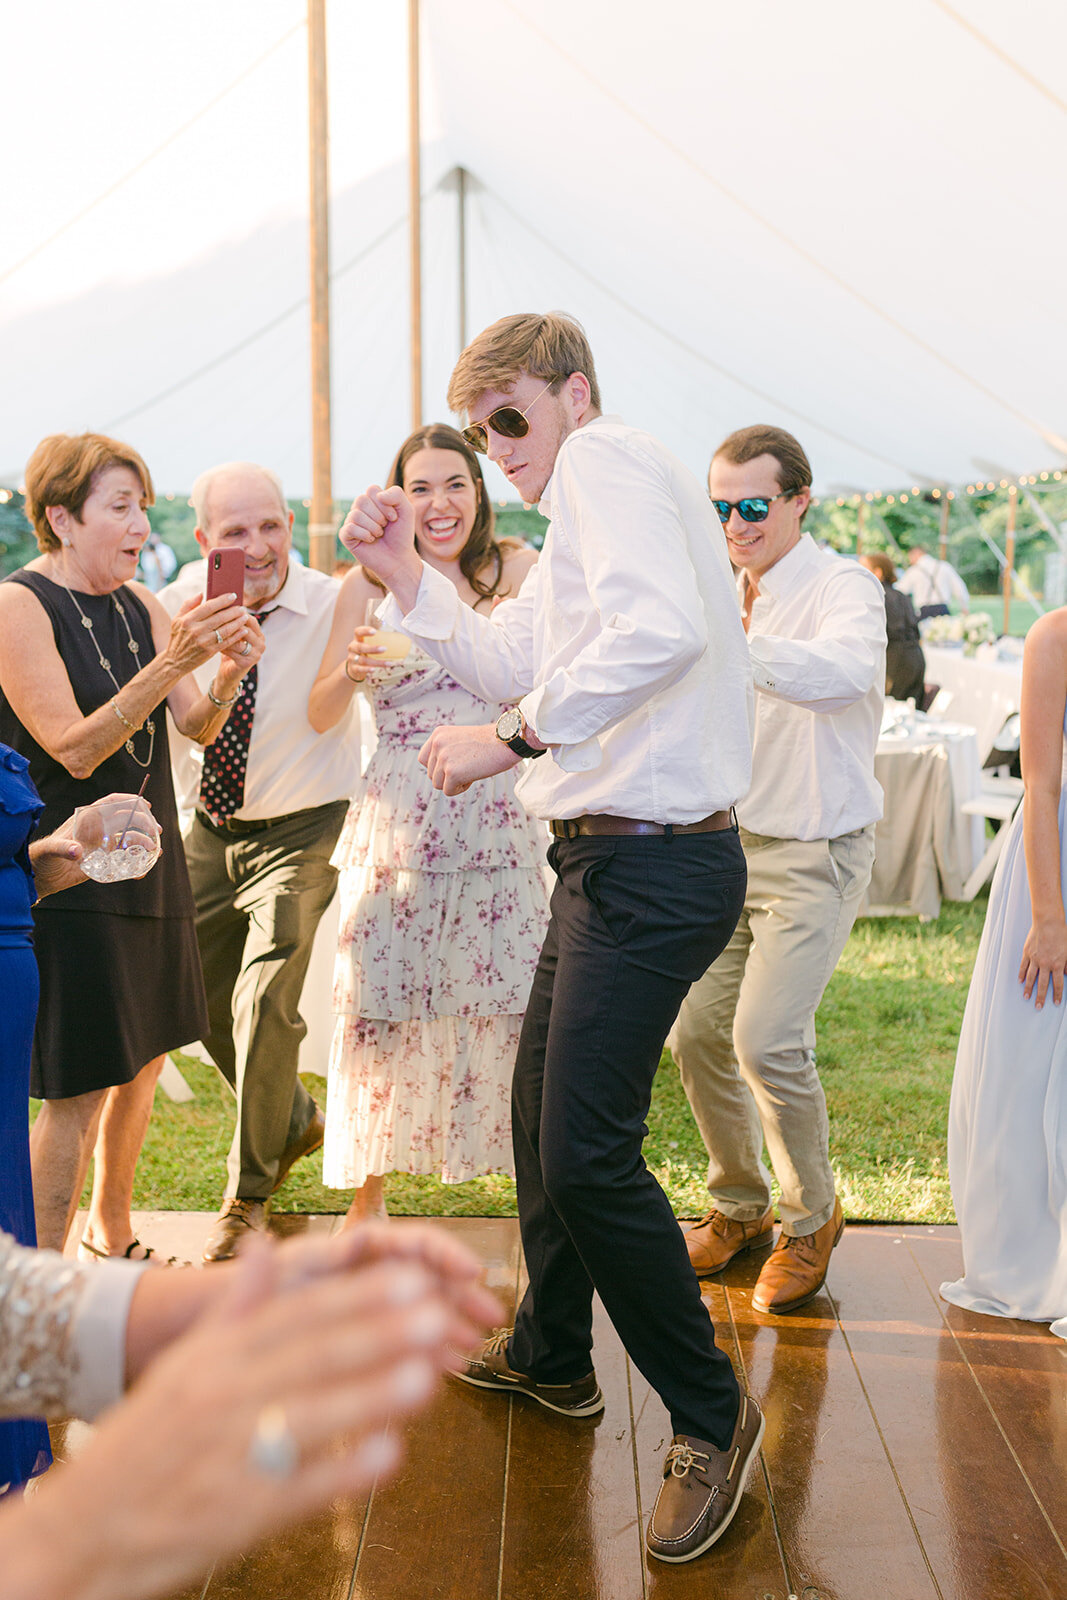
[269,805]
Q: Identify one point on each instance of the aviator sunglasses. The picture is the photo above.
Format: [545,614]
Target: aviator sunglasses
[509,422]
[752,509]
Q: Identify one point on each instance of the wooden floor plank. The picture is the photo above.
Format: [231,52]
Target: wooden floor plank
[434,1531]
[1021,1369]
[983,1533]
[844,1527]
[746,1564]
[572,1528]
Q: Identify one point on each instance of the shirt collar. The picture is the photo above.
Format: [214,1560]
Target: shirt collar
[544,505]
[782,577]
[292,596]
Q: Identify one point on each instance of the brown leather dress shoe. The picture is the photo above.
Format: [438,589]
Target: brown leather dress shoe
[716,1239]
[236,1220]
[796,1269]
[487,1367]
[309,1140]
[702,1488]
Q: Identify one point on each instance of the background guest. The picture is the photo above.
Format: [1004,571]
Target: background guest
[271,799]
[745,1037]
[1007,1134]
[935,587]
[905,664]
[443,899]
[87,659]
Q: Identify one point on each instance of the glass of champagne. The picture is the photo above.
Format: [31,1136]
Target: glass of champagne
[119,837]
[393,646]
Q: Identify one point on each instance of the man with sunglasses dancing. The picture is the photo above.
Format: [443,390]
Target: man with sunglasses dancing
[745,1038]
[625,666]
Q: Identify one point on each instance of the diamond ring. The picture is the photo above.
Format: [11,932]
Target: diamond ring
[218,637]
[245,648]
[273,1449]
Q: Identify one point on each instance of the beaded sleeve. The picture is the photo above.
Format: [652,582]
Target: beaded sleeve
[62,1332]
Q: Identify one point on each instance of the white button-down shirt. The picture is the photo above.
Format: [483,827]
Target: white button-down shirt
[623,648]
[290,766]
[931,582]
[817,641]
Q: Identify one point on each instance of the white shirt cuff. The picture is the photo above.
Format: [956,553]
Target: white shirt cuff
[98,1338]
[585,756]
[433,616]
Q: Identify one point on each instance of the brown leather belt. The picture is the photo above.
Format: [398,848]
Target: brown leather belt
[571,827]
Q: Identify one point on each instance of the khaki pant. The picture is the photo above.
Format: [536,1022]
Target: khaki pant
[745,1037]
[258,902]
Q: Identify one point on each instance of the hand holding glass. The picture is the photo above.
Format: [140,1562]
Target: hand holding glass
[119,837]
[386,645]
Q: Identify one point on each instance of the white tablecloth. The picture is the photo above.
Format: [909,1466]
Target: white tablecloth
[925,846]
[984,691]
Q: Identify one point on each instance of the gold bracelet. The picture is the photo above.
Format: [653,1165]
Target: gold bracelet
[123,718]
[223,704]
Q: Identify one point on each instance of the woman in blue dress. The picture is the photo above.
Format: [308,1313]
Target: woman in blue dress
[53,861]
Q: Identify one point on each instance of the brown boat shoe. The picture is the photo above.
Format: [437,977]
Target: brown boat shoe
[234,1223]
[796,1269]
[487,1368]
[716,1239]
[702,1488]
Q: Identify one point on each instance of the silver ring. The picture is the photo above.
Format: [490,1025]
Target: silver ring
[245,648]
[218,637]
[273,1449]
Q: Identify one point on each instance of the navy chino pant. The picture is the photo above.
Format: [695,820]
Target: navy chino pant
[635,920]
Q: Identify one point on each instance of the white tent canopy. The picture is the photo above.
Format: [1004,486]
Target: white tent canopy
[844,219]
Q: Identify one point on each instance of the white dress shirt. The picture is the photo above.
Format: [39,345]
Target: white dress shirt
[931,582]
[290,766]
[817,642]
[623,647]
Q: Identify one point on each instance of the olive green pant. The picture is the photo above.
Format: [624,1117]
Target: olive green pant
[259,898]
[744,1040]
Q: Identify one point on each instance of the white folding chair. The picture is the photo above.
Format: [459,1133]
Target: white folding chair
[998,800]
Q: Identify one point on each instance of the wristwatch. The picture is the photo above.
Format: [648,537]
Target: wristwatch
[510,727]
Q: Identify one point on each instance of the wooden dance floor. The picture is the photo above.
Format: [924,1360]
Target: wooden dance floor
[913,1452]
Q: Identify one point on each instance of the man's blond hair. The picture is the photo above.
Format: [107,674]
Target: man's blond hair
[549,346]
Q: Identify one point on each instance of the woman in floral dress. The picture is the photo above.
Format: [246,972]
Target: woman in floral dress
[443,899]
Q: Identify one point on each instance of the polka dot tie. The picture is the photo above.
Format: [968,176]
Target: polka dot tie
[222,785]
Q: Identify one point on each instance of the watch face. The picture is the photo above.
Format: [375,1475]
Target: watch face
[509,724]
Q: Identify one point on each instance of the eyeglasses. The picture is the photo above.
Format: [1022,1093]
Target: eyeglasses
[506,420]
[753,509]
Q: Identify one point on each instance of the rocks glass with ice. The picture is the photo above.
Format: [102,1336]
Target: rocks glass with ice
[119,837]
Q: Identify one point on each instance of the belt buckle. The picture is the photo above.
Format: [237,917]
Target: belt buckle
[566,828]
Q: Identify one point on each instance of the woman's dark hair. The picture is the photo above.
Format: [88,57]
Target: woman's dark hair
[481,560]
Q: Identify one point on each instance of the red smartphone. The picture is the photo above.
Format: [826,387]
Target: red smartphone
[225,574]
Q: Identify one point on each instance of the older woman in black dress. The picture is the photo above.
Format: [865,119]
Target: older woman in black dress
[87,660]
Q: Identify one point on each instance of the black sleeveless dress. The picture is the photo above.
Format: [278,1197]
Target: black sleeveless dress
[119,965]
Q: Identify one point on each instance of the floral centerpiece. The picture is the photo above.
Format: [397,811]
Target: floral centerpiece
[969,629]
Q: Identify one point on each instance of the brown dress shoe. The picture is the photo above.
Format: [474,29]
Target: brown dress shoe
[309,1140]
[236,1220]
[716,1239]
[796,1268]
[702,1488]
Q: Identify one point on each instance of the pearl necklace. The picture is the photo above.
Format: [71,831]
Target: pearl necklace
[134,649]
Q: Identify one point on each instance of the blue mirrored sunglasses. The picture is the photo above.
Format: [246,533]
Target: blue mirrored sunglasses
[752,509]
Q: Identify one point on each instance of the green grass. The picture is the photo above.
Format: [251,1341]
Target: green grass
[1021,615]
[887,1037]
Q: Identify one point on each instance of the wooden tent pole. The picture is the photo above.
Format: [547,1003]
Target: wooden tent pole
[461,264]
[415,212]
[321,545]
[942,545]
[1009,553]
